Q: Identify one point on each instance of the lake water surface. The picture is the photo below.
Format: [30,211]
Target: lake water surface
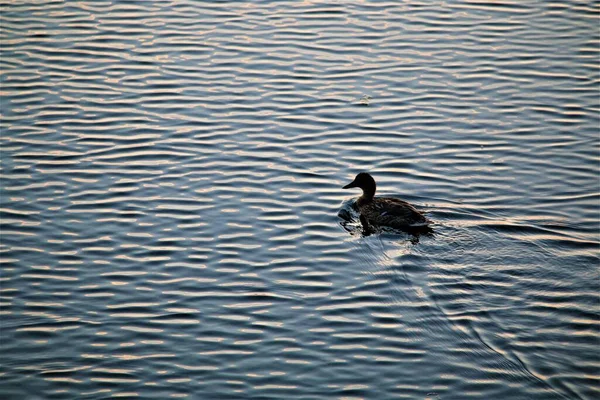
[171,183]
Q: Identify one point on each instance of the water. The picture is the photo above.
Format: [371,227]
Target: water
[171,183]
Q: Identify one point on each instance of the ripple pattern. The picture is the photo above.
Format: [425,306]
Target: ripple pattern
[171,177]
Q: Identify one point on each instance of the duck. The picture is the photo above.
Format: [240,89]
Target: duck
[384,211]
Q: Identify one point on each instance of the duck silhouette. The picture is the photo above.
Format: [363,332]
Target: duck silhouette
[390,212]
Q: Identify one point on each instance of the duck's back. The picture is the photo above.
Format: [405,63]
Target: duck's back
[388,211]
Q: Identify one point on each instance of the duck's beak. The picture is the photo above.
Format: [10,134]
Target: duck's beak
[350,185]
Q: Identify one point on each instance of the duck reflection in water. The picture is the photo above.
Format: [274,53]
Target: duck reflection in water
[378,214]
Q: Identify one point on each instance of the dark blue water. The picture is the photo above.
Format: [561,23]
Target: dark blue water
[171,179]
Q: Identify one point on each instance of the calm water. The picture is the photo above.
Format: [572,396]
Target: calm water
[171,183]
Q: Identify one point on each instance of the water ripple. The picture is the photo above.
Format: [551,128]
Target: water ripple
[171,179]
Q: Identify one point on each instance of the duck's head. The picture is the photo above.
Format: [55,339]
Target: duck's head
[365,182]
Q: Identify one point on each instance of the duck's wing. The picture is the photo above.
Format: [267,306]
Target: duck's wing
[394,212]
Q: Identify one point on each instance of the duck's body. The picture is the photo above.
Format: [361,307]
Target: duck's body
[384,211]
